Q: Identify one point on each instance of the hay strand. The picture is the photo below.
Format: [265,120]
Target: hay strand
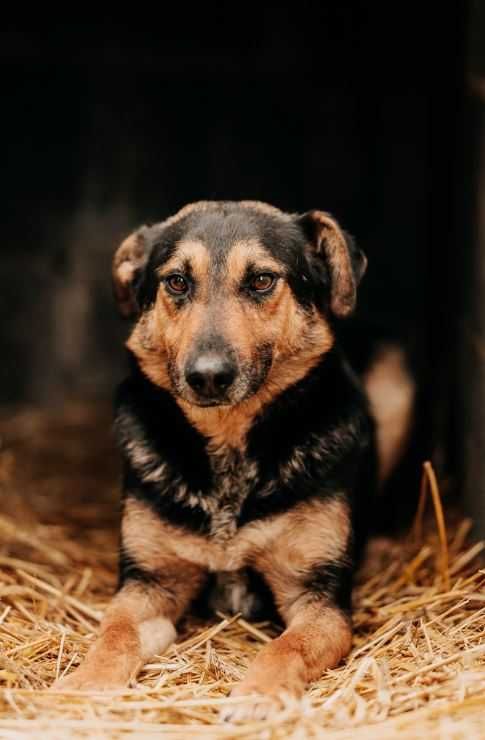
[430,482]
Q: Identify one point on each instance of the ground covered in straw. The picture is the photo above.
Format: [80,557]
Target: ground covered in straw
[417,668]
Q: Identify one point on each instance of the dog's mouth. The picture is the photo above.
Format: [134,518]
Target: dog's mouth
[245,382]
[239,393]
[210,403]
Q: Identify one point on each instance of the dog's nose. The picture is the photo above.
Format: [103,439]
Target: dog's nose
[210,375]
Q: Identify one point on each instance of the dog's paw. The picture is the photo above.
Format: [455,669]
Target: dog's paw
[260,703]
[87,679]
[255,708]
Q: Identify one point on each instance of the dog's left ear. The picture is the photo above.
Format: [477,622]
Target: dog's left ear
[345,262]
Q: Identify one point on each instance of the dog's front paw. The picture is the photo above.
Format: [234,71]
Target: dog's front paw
[261,702]
[93,678]
[82,681]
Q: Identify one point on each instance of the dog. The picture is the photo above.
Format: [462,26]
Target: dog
[249,446]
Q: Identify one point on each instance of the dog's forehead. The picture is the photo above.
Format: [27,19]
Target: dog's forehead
[254,232]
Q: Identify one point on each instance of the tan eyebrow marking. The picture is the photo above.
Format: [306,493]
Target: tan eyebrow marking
[243,253]
[193,252]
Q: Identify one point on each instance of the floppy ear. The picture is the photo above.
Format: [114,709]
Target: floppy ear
[129,260]
[345,262]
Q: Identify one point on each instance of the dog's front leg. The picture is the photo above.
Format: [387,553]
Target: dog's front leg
[307,564]
[317,637]
[139,623]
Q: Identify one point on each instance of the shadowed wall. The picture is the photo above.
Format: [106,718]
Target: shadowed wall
[106,127]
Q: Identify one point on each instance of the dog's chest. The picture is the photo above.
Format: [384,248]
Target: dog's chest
[234,478]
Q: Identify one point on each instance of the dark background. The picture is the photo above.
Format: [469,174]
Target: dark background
[356,108]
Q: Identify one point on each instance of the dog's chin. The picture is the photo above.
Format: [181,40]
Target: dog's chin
[207,403]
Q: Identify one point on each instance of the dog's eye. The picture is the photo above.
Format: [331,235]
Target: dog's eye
[262,283]
[177,284]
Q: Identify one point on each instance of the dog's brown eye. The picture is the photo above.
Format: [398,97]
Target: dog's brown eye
[262,283]
[177,284]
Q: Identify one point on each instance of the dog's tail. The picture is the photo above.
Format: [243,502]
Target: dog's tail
[391,390]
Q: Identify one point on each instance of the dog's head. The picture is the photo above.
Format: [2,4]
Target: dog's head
[230,298]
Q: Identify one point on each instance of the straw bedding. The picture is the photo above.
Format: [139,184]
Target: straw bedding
[417,668]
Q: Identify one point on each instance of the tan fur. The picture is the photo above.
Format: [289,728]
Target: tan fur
[156,635]
[192,251]
[228,425]
[107,664]
[223,425]
[152,549]
[318,637]
[152,357]
[315,533]
[282,547]
[391,391]
[139,619]
[242,252]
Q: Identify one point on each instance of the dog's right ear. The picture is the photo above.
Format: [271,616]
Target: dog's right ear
[128,262]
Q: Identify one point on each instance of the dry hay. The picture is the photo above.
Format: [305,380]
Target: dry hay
[417,668]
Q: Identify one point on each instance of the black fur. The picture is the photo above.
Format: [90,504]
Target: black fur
[332,581]
[130,570]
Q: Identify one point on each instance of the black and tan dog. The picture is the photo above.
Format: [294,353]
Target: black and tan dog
[248,447]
